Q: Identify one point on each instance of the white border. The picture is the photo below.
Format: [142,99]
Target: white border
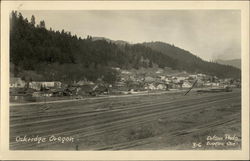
[7,6]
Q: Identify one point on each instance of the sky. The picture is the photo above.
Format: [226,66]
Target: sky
[209,34]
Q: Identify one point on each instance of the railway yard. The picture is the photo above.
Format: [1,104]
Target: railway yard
[167,121]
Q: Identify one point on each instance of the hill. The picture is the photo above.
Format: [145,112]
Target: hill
[233,62]
[37,53]
[192,63]
[173,51]
[117,42]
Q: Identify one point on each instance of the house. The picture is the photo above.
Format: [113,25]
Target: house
[199,83]
[72,90]
[215,84]
[120,84]
[117,69]
[211,84]
[123,79]
[84,82]
[201,75]
[100,89]
[181,78]
[167,80]
[57,92]
[161,87]
[125,72]
[159,71]
[41,94]
[162,77]
[174,80]
[173,85]
[16,82]
[86,90]
[150,87]
[149,79]
[155,86]
[186,84]
[132,78]
[193,76]
[39,85]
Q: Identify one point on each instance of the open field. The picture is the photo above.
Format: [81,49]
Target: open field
[153,122]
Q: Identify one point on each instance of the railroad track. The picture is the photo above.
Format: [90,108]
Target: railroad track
[77,109]
[185,132]
[112,114]
[30,109]
[108,121]
[67,110]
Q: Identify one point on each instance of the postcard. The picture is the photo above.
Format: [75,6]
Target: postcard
[124,80]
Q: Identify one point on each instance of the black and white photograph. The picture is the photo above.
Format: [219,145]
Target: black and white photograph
[126,79]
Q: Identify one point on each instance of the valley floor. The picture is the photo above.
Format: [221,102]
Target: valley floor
[166,121]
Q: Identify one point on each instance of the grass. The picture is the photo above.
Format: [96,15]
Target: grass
[161,131]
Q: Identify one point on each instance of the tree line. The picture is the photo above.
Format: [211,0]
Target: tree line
[38,53]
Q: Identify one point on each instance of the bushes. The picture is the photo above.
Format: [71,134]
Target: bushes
[140,132]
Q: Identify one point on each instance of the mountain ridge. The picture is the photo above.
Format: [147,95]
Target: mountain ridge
[117,42]
[58,55]
[232,62]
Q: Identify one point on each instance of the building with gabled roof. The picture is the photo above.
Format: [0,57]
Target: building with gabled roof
[16,82]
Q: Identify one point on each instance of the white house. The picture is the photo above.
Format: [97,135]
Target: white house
[16,82]
[193,76]
[149,79]
[159,71]
[39,94]
[162,77]
[38,85]
[125,72]
[84,82]
[186,84]
[180,78]
[150,87]
[161,86]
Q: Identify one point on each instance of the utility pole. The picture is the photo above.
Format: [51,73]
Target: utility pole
[191,88]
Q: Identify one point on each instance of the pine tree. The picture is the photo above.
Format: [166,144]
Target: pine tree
[42,24]
[33,21]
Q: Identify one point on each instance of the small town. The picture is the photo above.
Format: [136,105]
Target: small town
[131,82]
[124,80]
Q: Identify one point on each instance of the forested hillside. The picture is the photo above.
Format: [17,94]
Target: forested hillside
[189,62]
[38,53]
[233,62]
